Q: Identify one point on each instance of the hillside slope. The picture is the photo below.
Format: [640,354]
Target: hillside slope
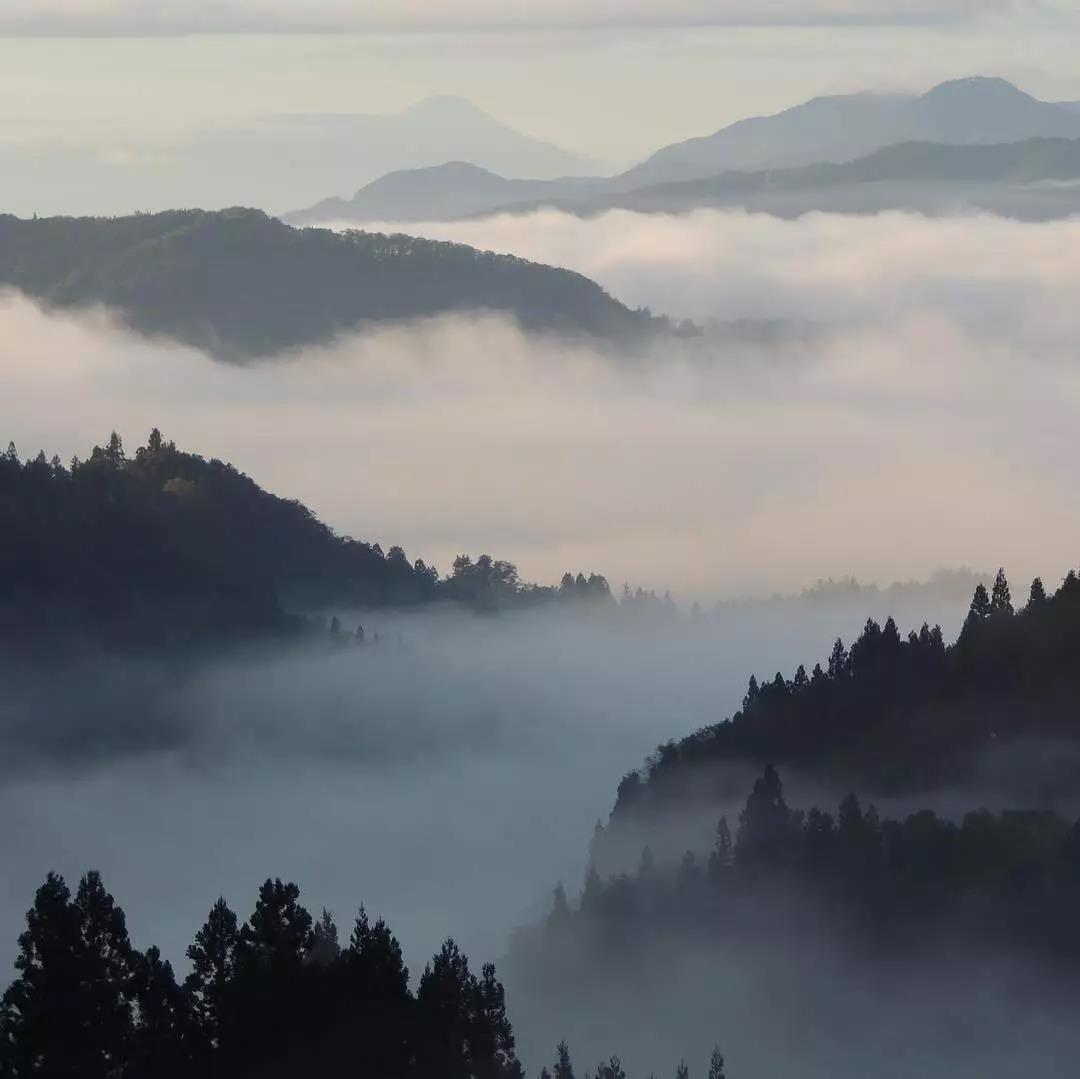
[240,284]
[444,193]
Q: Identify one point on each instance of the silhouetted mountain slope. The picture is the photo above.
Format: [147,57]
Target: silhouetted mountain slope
[1031,179]
[1018,179]
[978,110]
[896,714]
[442,193]
[276,162]
[169,544]
[240,284]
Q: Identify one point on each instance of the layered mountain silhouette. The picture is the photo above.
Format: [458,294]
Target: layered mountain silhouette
[964,111]
[240,284]
[276,163]
[859,153]
[1038,179]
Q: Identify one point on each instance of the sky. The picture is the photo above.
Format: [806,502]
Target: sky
[613,81]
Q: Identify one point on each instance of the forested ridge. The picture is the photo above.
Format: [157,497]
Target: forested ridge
[989,880]
[240,284]
[277,995]
[900,713]
[167,546]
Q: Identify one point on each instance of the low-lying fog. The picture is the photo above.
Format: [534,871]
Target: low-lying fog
[923,415]
[447,778]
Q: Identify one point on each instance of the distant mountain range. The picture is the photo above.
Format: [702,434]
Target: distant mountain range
[961,112]
[1036,179]
[981,142]
[239,284]
[276,162]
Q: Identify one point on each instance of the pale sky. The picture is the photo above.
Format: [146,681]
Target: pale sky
[612,80]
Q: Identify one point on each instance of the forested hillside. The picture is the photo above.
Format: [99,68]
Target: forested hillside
[166,546]
[240,284]
[897,713]
[989,881]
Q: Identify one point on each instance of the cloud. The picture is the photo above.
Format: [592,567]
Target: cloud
[154,17]
[833,269]
[927,418]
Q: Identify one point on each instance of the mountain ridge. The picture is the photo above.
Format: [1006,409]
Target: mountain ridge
[240,284]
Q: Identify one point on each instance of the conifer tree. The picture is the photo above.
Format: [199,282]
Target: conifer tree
[1001,600]
[563,1068]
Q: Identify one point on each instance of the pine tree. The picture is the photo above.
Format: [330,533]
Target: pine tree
[838,661]
[722,856]
[1001,600]
[1037,596]
[68,1013]
[765,824]
[213,959]
[279,931]
[563,1068]
[682,1071]
[716,1065]
[980,605]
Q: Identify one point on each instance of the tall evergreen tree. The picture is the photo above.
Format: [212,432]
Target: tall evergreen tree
[1001,599]
[1037,596]
[980,606]
[68,1013]
[563,1067]
[213,960]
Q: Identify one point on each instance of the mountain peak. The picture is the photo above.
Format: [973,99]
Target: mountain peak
[983,88]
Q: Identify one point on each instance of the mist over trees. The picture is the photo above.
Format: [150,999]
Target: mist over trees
[900,713]
[1002,880]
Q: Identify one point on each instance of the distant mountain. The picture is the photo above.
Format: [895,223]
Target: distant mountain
[275,162]
[1038,178]
[964,111]
[238,283]
[442,193]
[858,154]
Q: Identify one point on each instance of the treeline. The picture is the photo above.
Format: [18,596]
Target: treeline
[278,995]
[1005,881]
[900,713]
[165,545]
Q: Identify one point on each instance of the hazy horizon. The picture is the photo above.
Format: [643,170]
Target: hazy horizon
[568,75]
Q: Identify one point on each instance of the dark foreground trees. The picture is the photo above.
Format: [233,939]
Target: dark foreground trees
[274,996]
[278,995]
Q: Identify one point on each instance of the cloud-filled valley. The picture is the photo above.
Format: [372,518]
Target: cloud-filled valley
[899,395]
[914,408]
